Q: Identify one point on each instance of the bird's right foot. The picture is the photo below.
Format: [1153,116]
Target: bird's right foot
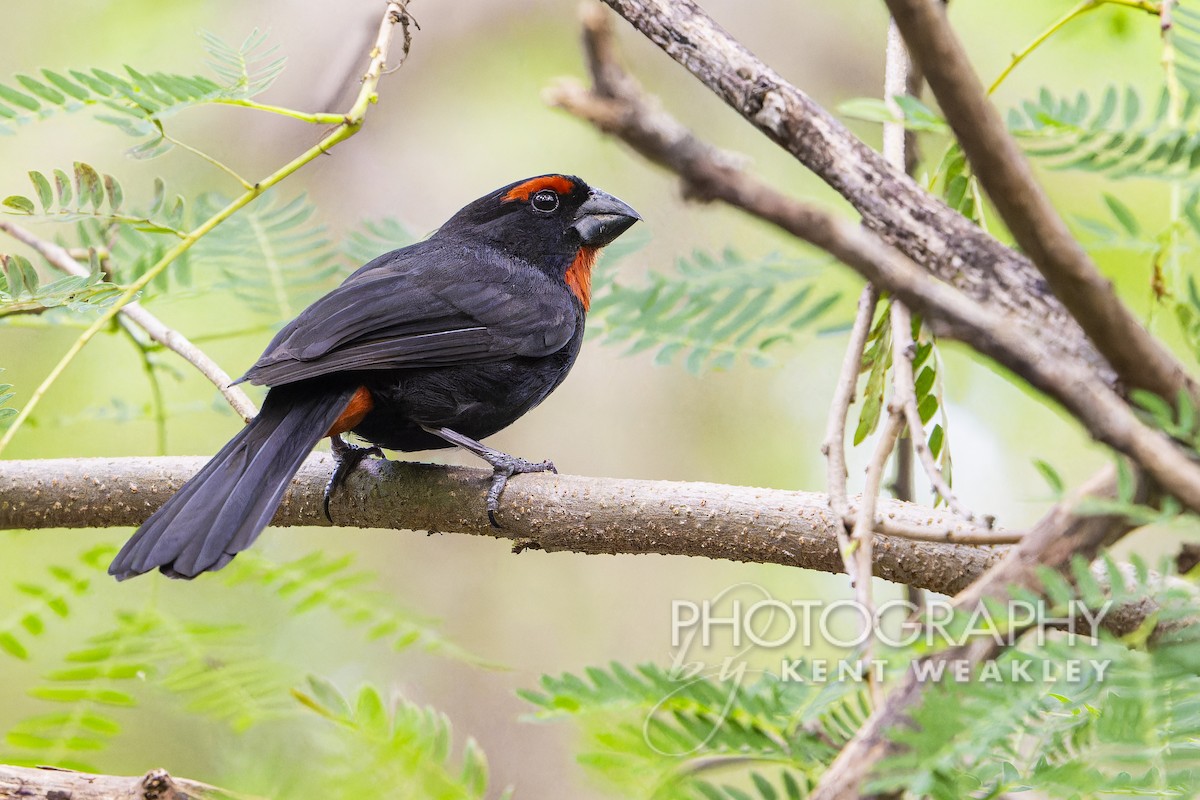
[347,457]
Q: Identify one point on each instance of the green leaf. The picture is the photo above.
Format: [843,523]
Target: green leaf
[712,311]
[20,204]
[1050,475]
[1123,214]
[88,187]
[19,99]
[867,109]
[927,408]
[937,438]
[62,187]
[42,187]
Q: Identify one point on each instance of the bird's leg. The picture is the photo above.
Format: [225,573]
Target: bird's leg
[504,466]
[347,457]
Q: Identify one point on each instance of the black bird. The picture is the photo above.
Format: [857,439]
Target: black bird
[440,343]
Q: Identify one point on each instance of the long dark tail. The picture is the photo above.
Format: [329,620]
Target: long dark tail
[225,506]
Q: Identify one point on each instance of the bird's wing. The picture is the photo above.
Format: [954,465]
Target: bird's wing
[432,304]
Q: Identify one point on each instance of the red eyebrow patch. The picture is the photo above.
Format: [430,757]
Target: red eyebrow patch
[522,191]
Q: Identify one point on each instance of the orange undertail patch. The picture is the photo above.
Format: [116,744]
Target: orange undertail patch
[356,410]
[579,275]
[558,183]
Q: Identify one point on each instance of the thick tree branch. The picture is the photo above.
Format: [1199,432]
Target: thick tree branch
[550,512]
[46,783]
[891,203]
[136,313]
[1029,348]
[1140,360]
[1105,415]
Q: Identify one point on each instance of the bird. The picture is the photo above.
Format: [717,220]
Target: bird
[441,343]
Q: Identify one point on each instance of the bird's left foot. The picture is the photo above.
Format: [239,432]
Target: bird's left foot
[504,466]
[347,457]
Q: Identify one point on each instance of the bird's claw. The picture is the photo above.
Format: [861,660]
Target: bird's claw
[504,467]
[348,457]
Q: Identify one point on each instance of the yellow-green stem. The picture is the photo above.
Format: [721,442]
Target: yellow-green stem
[210,159]
[312,119]
[1079,10]
[349,125]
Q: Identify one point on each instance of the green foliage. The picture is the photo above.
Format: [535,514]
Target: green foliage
[214,671]
[318,581]
[1123,721]
[273,253]
[1110,135]
[138,102]
[392,749]
[651,733]
[959,186]
[1126,724]
[43,602]
[6,412]
[1185,36]
[374,238]
[877,364]
[22,291]
[711,310]
[92,195]
[1187,314]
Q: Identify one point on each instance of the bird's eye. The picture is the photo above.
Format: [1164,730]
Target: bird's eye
[545,201]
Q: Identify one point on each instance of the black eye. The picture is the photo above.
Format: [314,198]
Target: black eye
[545,201]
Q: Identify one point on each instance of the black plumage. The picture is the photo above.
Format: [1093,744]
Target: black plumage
[446,341]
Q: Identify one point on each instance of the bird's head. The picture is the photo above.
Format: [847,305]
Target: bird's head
[557,223]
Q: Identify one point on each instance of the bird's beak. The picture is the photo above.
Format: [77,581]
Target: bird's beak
[602,218]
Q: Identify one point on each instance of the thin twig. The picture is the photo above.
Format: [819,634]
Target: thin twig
[834,444]
[895,82]
[173,340]
[864,535]
[906,398]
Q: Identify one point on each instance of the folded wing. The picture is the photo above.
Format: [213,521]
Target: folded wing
[499,311]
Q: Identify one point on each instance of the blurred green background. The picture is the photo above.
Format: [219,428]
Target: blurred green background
[462,117]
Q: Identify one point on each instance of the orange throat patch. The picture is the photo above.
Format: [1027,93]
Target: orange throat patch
[356,411]
[579,275]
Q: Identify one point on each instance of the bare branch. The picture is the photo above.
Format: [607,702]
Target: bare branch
[137,314]
[1023,344]
[891,203]
[1139,359]
[834,445]
[555,513]
[1105,415]
[863,537]
[47,783]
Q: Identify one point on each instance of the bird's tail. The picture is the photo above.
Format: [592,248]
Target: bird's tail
[225,506]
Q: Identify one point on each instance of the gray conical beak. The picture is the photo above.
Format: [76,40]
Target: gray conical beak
[602,218]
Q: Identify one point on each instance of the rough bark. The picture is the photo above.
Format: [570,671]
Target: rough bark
[891,203]
[548,512]
[47,783]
